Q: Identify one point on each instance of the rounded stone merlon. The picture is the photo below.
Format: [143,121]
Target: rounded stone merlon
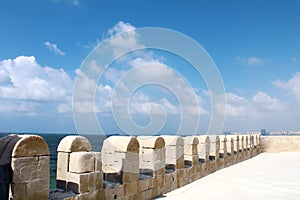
[241,137]
[214,138]
[223,138]
[74,143]
[204,145]
[173,140]
[121,144]
[154,142]
[236,137]
[203,139]
[29,146]
[229,138]
[191,140]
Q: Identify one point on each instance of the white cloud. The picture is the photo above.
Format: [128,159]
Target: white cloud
[237,106]
[73,2]
[133,69]
[119,28]
[25,85]
[264,102]
[260,104]
[118,42]
[251,61]
[53,47]
[292,86]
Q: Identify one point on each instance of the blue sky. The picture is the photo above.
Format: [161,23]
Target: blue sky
[255,45]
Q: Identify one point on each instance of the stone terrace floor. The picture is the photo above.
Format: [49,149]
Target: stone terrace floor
[266,176]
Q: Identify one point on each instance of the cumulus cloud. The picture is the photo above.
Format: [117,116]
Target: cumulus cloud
[251,61]
[266,103]
[26,86]
[260,104]
[135,69]
[292,86]
[53,47]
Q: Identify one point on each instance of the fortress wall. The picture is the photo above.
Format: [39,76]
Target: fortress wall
[275,144]
[126,168]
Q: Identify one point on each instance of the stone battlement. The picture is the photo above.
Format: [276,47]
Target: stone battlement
[127,167]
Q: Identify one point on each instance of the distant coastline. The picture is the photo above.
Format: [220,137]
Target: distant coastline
[286,133]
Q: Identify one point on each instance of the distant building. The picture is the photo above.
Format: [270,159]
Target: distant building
[227,133]
[263,132]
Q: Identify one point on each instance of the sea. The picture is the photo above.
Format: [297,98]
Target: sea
[53,140]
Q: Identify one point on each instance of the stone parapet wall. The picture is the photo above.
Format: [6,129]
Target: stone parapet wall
[127,167]
[275,144]
[145,167]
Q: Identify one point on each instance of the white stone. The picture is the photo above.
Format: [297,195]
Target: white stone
[62,165]
[98,162]
[78,183]
[25,169]
[29,146]
[74,143]
[37,189]
[81,162]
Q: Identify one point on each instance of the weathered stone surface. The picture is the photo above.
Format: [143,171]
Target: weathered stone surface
[153,142]
[43,167]
[78,183]
[203,147]
[126,162]
[236,143]
[119,191]
[37,189]
[174,151]
[172,140]
[81,162]
[214,146]
[25,169]
[190,145]
[30,177]
[98,162]
[121,144]
[223,145]
[131,188]
[174,154]
[30,145]
[152,153]
[246,142]
[152,166]
[74,143]
[62,169]
[95,181]
[280,143]
[230,144]
[242,141]
[144,184]
[109,193]
[18,191]
[170,182]
[120,153]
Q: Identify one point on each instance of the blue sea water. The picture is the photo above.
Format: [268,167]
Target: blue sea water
[53,141]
